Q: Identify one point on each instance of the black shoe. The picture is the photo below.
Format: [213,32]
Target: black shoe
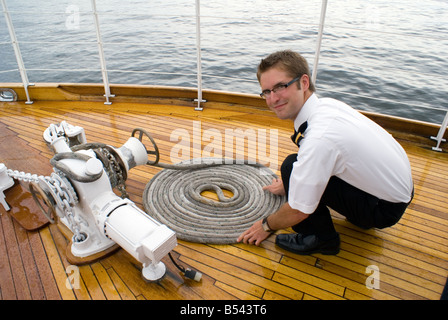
[297,243]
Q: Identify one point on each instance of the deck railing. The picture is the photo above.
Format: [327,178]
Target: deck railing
[104,70]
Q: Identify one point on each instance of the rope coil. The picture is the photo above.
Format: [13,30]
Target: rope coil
[173,197]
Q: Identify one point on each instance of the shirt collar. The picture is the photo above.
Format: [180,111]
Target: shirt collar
[306,110]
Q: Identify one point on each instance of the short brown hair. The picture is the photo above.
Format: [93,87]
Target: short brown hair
[289,61]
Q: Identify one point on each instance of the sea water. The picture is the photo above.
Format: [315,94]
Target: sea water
[383,56]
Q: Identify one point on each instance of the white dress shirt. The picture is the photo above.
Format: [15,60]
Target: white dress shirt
[341,142]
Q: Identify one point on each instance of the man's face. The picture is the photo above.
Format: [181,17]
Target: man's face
[285,103]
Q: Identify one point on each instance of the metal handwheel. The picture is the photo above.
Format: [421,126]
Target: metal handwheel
[155,152]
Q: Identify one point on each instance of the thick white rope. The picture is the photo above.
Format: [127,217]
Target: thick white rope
[173,197]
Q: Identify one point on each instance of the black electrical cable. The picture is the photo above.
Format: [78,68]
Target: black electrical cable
[176,264]
[191,274]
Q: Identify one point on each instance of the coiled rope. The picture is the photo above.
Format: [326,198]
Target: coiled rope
[173,197]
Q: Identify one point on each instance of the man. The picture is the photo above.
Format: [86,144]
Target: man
[345,162]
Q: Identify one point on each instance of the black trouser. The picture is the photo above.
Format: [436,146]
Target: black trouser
[360,208]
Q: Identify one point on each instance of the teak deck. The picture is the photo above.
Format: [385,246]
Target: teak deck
[406,261]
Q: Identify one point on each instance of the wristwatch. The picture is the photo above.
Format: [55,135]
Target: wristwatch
[265,225]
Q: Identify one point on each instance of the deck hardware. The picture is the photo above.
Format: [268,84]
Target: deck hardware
[5,183]
[199,107]
[7,95]
[79,195]
[198,56]
[439,138]
[323,11]
[101,55]
[17,52]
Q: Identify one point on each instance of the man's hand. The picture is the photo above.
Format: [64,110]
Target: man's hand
[276,187]
[254,235]
[284,217]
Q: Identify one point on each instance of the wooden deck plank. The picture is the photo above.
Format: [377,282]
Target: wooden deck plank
[232,281]
[120,285]
[313,291]
[17,266]
[308,274]
[235,292]
[248,277]
[44,269]
[105,282]
[7,288]
[412,256]
[31,273]
[56,264]
[91,282]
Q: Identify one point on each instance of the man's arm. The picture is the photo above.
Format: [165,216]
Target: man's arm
[285,217]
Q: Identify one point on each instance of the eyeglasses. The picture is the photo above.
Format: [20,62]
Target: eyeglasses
[278,88]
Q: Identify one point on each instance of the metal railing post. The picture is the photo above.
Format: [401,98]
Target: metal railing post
[101,54]
[440,134]
[198,53]
[319,40]
[17,52]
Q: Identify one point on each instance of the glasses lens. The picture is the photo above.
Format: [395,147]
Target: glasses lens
[279,88]
[265,94]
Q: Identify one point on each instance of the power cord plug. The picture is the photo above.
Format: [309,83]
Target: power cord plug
[191,274]
[188,273]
